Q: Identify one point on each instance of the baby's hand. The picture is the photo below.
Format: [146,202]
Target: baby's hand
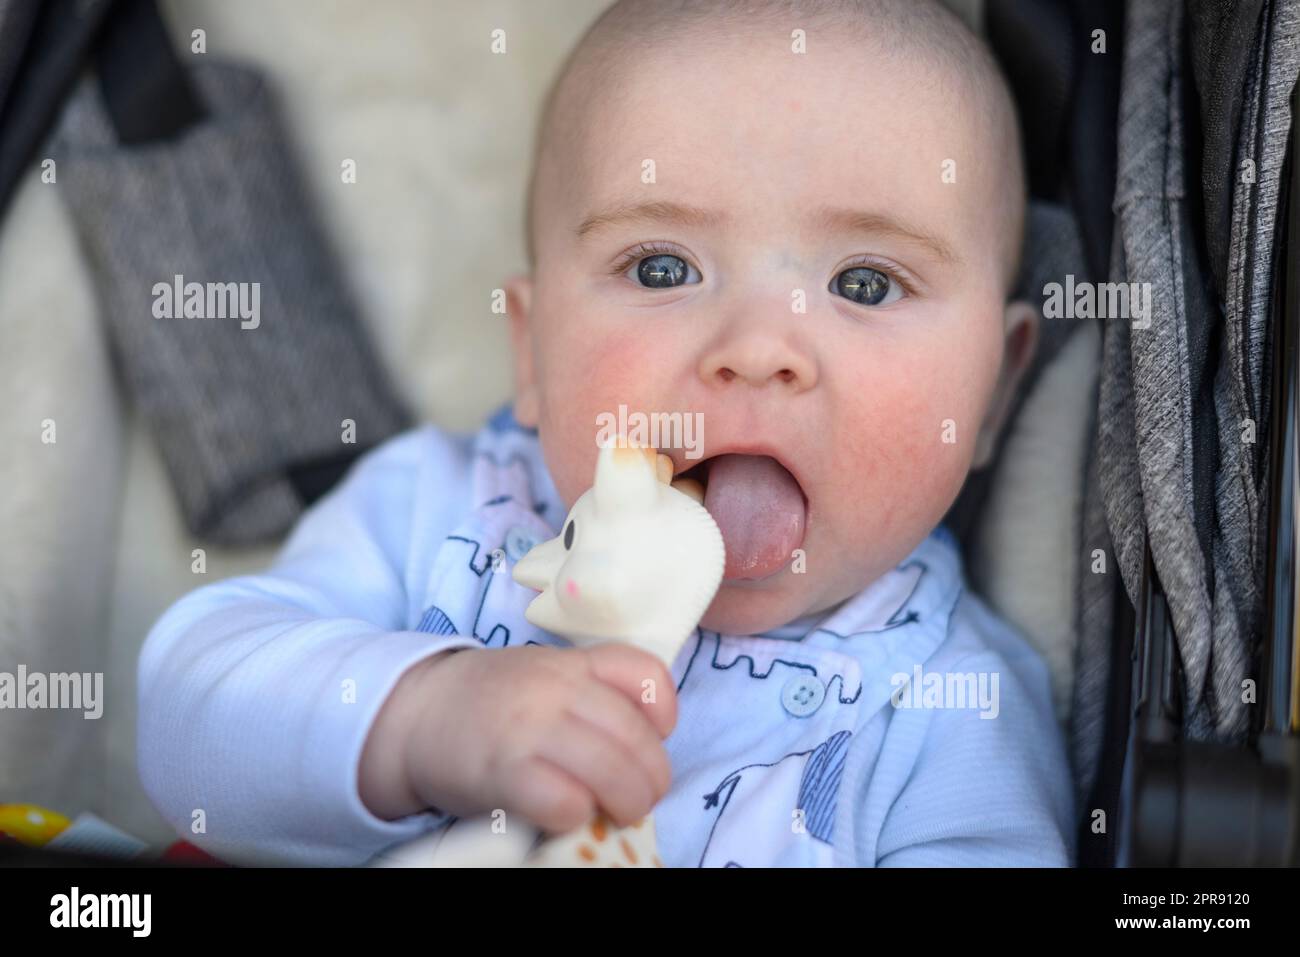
[551,734]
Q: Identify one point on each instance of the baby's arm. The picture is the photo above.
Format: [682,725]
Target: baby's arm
[257,693]
[292,714]
[986,792]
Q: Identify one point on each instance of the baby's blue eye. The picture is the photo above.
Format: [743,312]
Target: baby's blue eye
[866,286]
[663,270]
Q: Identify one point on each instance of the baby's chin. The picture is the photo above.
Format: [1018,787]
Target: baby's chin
[753,607]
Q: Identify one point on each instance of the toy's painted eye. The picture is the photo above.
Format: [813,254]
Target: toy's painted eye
[568,536]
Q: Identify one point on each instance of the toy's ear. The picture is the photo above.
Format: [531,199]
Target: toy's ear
[626,479]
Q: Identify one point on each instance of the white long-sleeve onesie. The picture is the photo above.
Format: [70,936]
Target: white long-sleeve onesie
[815,744]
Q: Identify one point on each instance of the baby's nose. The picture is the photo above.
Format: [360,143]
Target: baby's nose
[759,357]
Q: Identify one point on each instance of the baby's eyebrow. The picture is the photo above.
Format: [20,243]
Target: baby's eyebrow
[662,211]
[824,219]
[840,219]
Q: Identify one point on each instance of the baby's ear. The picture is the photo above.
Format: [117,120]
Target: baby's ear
[519,303]
[1021,340]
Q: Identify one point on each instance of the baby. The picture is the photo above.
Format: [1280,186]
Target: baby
[800,223]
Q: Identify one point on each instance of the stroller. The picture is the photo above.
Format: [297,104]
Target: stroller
[1158,157]
[1185,702]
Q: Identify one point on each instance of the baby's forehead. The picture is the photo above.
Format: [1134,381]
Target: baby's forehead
[783,136]
[711,111]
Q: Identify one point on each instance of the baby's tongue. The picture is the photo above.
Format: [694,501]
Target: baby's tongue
[759,510]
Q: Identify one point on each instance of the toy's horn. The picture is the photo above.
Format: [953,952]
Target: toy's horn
[626,477]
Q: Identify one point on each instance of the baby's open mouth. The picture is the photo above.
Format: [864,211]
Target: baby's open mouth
[759,507]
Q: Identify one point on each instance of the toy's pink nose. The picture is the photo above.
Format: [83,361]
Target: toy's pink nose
[571,587]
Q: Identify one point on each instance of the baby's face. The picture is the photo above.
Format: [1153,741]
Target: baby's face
[768,239]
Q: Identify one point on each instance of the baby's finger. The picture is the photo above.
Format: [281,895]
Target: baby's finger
[622,788]
[613,713]
[548,796]
[641,678]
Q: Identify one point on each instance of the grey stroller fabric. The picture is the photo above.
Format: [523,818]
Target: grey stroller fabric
[1199,504]
[1095,634]
[1261,151]
[1148,462]
[17,17]
[240,414]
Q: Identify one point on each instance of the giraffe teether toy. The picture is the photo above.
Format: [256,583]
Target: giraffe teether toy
[638,560]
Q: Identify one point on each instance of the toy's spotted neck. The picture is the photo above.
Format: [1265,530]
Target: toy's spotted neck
[610,846]
[601,844]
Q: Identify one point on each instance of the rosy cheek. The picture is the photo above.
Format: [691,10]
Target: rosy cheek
[571,587]
[899,460]
[618,369]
